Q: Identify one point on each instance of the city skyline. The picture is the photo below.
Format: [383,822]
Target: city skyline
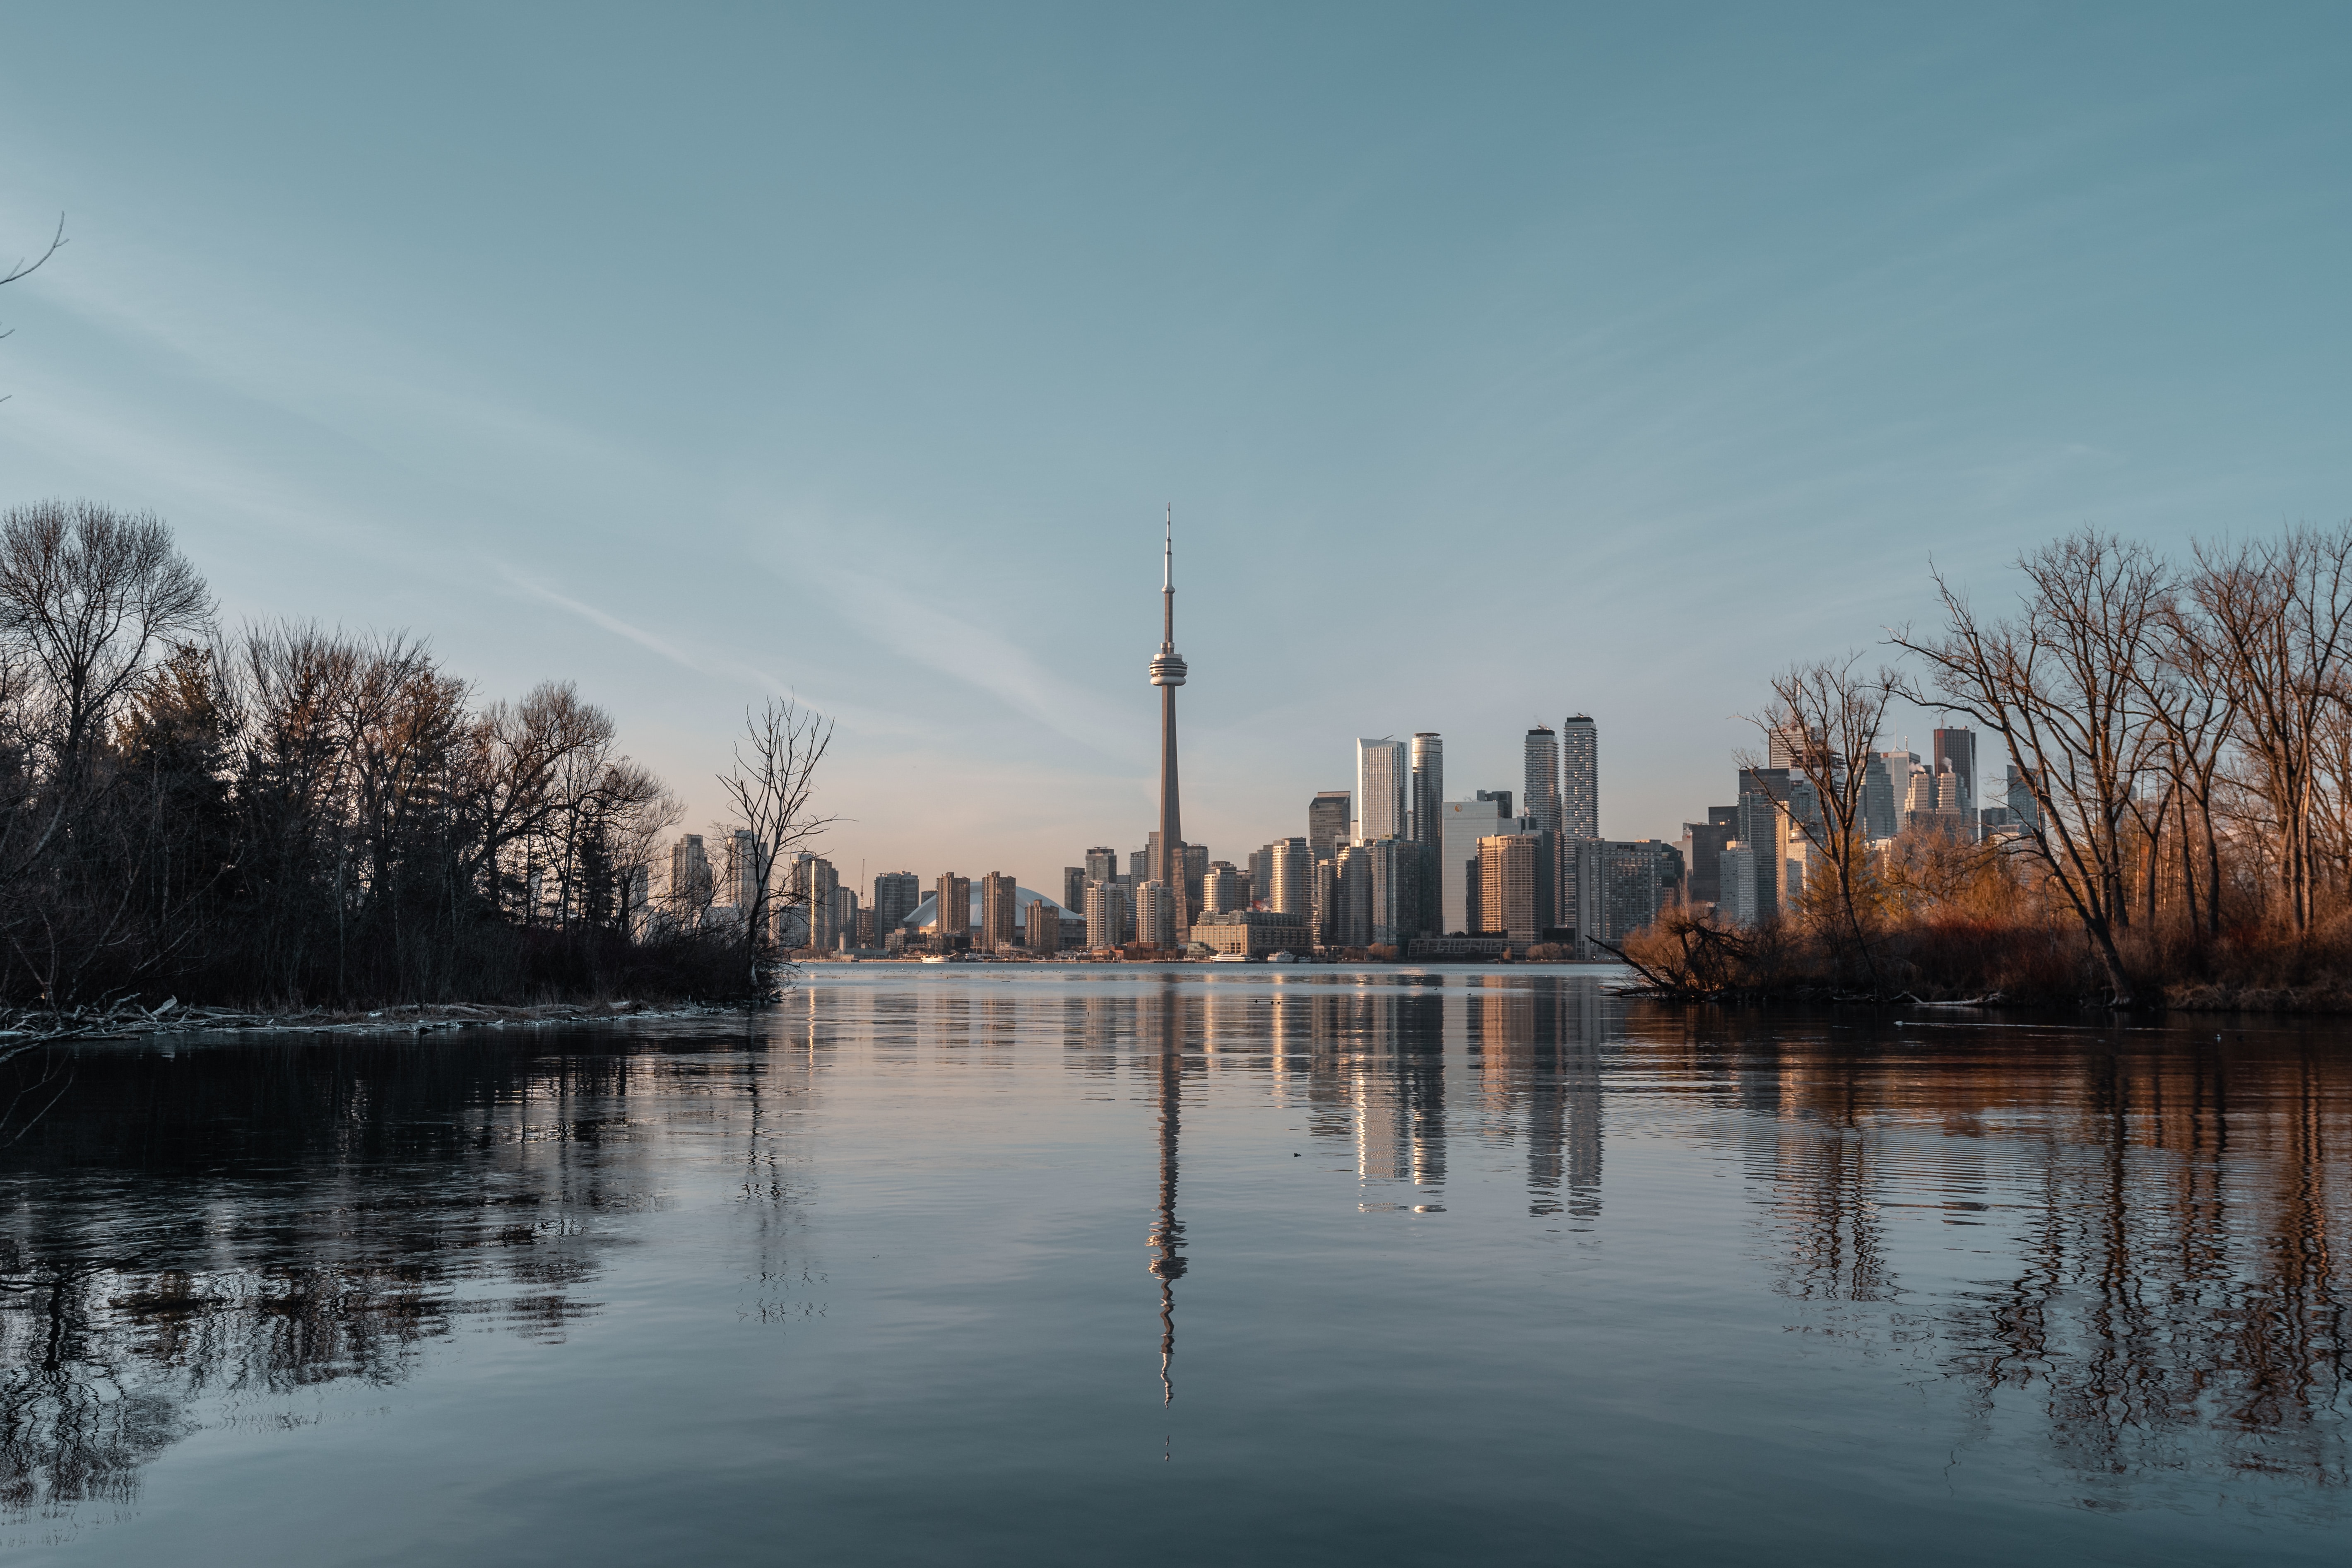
[864,411]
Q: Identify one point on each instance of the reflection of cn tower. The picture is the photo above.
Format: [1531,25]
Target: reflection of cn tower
[1167,1262]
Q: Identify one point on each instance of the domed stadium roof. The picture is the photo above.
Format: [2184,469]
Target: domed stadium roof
[927,913]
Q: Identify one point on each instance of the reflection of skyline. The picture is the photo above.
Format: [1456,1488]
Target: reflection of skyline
[2130,1256]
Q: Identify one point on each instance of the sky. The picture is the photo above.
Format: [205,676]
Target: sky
[1499,363]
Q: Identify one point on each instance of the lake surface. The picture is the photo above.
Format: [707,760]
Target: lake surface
[1082,1264]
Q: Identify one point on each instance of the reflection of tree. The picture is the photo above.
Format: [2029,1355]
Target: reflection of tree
[2178,1283]
[2173,1221]
[275,1217]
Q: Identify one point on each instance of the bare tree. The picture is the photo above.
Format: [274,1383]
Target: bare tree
[2275,624]
[773,787]
[2063,686]
[24,268]
[2186,698]
[91,594]
[1829,718]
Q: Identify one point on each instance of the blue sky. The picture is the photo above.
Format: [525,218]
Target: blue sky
[1500,363]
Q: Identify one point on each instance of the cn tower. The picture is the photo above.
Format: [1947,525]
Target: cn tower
[1168,674]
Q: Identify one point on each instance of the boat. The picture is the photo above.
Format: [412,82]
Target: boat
[1283,958]
[935,958]
[1233,958]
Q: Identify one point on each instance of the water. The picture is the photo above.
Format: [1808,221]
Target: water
[1087,1264]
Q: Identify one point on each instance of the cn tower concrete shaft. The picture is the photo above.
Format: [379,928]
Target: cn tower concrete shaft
[1168,674]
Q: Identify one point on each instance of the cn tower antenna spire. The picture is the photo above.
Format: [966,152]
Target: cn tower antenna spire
[1168,583]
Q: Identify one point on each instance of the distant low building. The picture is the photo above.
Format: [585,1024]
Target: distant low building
[1255,933]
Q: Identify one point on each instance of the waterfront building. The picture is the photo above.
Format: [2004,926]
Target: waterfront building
[1261,874]
[1327,815]
[1351,898]
[1955,752]
[2022,807]
[1325,914]
[1396,895]
[1506,887]
[895,894]
[1102,864]
[1225,886]
[951,911]
[1290,879]
[1384,776]
[1580,777]
[1105,913]
[1541,797]
[1040,927]
[1738,905]
[808,918]
[1074,886]
[1170,866]
[1428,803]
[690,885]
[1762,820]
[997,895]
[744,855]
[1463,824]
[1155,916]
[1623,886]
[1879,812]
[1255,933]
[1702,850]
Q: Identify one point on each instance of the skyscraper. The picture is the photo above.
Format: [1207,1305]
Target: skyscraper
[1102,864]
[1624,888]
[1428,788]
[1383,780]
[1226,886]
[1541,797]
[996,912]
[952,914]
[1074,887]
[1326,821]
[896,895]
[1956,749]
[1041,926]
[1105,913]
[1155,916]
[1168,674]
[690,876]
[1580,777]
[1881,810]
[1465,823]
[1506,886]
[1396,900]
[1290,884]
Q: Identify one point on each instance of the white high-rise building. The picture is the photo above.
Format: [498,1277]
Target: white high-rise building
[1384,776]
